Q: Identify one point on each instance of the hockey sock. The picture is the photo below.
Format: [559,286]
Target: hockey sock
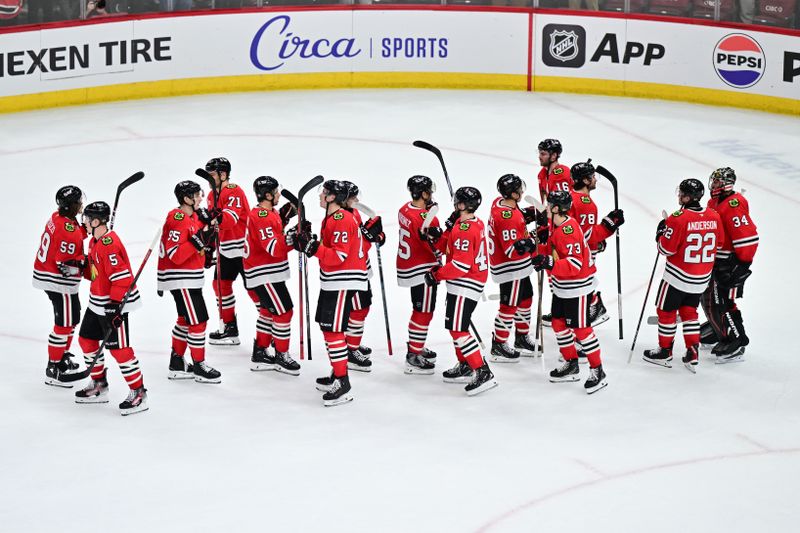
[469,348]
[355,328]
[522,318]
[228,299]
[69,337]
[565,339]
[590,345]
[256,300]
[418,330]
[89,348]
[282,330]
[180,334]
[264,328]
[57,342]
[337,351]
[129,366]
[503,322]
[691,326]
[667,328]
[197,341]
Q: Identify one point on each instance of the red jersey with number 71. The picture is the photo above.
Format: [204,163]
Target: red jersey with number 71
[467,265]
[690,243]
[415,256]
[233,226]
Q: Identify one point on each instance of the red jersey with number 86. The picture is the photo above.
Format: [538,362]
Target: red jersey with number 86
[690,243]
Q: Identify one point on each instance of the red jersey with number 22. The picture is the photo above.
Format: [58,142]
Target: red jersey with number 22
[690,243]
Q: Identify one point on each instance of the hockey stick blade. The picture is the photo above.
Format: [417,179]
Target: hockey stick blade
[122,186]
[603,171]
[429,217]
[534,202]
[365,209]
[290,197]
[438,153]
[313,183]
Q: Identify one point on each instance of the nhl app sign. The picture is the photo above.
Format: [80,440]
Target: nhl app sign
[564,45]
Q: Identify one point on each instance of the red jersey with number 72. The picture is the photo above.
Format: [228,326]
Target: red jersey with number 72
[467,265]
[690,243]
[415,256]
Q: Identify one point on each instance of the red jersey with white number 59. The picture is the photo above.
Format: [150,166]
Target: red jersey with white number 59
[690,243]
[62,240]
[467,265]
[415,256]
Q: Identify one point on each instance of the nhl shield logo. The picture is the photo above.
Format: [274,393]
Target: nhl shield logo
[564,45]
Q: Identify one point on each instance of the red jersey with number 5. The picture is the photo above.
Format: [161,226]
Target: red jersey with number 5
[415,256]
[233,227]
[342,262]
[558,179]
[266,257]
[507,226]
[62,240]
[180,264]
[111,274]
[740,234]
[466,270]
[690,243]
[572,275]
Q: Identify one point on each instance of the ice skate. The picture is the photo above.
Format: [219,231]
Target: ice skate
[461,373]
[358,361]
[136,402]
[205,374]
[417,364]
[95,392]
[568,371]
[659,356]
[596,381]
[338,393]
[286,365]
[482,380]
[502,353]
[527,347]
[229,336]
[179,368]
[261,360]
[691,358]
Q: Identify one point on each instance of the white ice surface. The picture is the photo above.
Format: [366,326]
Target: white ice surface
[659,450]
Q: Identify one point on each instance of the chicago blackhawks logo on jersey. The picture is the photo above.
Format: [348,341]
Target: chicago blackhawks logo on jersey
[558,171]
[263,213]
[733,202]
[463,226]
[506,214]
[586,199]
[338,216]
[230,186]
[69,227]
[424,215]
[107,240]
[677,213]
[569,230]
[179,216]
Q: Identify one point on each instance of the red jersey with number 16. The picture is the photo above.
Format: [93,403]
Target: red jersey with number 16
[690,243]
[466,270]
[558,179]
[62,240]
[415,256]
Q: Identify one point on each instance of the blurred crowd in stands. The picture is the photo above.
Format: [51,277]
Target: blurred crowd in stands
[781,13]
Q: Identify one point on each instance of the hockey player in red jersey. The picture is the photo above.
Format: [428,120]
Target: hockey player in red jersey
[595,230]
[465,274]
[186,238]
[731,268]
[57,270]
[266,269]
[372,232]
[110,272]
[572,281]
[510,248]
[553,176]
[231,213]
[415,257]
[343,271]
[689,238]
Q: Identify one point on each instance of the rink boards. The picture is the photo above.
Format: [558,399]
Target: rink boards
[357,47]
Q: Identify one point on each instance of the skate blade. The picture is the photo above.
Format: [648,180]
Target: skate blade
[706,346]
[602,385]
[279,369]
[351,366]
[55,383]
[691,367]
[176,375]
[261,367]
[322,388]
[138,409]
[667,363]
[531,355]
[502,359]
[600,320]
[431,360]
[566,379]
[489,385]
[420,371]
[462,380]
[212,381]
[737,358]
[103,398]
[228,341]
[338,401]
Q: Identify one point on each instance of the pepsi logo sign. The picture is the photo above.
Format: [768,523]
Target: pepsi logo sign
[739,60]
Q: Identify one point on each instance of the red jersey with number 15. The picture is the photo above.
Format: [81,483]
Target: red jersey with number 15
[466,270]
[690,243]
[415,256]
[266,258]
[62,240]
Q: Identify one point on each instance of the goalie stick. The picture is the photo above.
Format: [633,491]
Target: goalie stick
[122,186]
[611,178]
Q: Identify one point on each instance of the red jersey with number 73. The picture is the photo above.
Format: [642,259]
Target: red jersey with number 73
[467,265]
[573,271]
[690,243]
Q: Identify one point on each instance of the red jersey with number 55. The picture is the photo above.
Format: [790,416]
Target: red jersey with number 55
[266,258]
[180,264]
[415,256]
[466,270]
[62,240]
[233,227]
[558,179]
[111,274]
[740,234]
[573,272]
[507,226]
[690,243]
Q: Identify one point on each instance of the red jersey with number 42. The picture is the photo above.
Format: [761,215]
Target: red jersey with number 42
[342,263]
[62,240]
[572,275]
[466,270]
[558,179]
[111,274]
[740,234]
[233,227]
[690,243]
[266,255]
[180,264]
[415,256]
[507,226]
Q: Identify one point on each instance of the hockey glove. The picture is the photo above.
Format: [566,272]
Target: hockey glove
[661,229]
[372,228]
[430,277]
[541,219]
[198,240]
[72,267]
[542,234]
[113,314]
[306,243]
[287,211]
[530,214]
[291,234]
[732,273]
[451,220]
[543,262]
[207,217]
[525,246]
[601,247]
[432,235]
[613,220]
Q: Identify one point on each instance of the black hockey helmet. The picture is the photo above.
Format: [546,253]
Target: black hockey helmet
[560,199]
[186,188]
[264,185]
[551,145]
[581,171]
[352,189]
[97,211]
[219,164]
[509,184]
[338,189]
[419,184]
[693,188]
[725,179]
[68,200]
[469,196]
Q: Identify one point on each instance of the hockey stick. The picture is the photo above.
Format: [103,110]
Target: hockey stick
[292,199]
[610,177]
[539,321]
[77,376]
[122,186]
[535,203]
[371,214]
[646,296]
[438,153]
[201,172]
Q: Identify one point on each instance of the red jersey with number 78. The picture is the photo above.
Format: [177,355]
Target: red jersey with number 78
[690,243]
[467,267]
